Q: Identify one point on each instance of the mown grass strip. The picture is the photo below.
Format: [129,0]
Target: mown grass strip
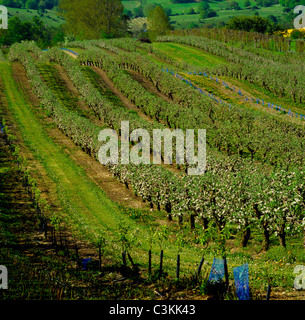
[183,53]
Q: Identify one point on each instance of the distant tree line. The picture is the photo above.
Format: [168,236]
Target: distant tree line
[30,30]
[253,24]
[291,3]
[30,4]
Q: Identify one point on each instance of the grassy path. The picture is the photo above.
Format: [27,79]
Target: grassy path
[183,53]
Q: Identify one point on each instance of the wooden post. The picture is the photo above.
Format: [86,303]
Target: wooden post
[149,262]
[161,263]
[200,267]
[268,292]
[178,267]
[130,259]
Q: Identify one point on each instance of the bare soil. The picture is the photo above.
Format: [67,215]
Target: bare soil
[128,104]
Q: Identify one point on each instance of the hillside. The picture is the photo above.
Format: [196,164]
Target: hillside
[185,15]
[50,18]
[182,15]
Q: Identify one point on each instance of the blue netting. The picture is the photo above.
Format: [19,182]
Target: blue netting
[217,271]
[85,263]
[241,277]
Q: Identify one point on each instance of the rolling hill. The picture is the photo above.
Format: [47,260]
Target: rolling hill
[182,15]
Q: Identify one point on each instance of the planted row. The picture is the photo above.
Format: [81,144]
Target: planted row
[281,79]
[233,131]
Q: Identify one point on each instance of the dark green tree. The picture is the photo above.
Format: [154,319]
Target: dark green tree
[158,22]
[252,24]
[89,19]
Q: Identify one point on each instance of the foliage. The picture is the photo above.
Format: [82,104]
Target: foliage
[30,4]
[252,24]
[158,22]
[91,18]
[30,30]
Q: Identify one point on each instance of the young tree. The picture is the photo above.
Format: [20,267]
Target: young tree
[158,22]
[89,19]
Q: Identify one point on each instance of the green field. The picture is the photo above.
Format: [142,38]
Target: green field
[50,18]
[181,19]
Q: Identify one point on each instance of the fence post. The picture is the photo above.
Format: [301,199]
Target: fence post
[200,267]
[161,263]
[268,292]
[149,262]
[178,267]
[226,273]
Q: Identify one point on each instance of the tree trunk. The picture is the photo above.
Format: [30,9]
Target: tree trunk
[282,236]
[192,221]
[168,208]
[124,258]
[266,240]
[180,219]
[205,223]
[245,237]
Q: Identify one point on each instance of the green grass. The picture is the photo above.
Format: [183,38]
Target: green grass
[183,53]
[58,87]
[50,18]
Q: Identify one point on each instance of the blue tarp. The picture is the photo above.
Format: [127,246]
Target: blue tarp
[241,277]
[217,271]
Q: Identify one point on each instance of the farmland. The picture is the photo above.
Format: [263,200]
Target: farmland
[247,207]
[181,17]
